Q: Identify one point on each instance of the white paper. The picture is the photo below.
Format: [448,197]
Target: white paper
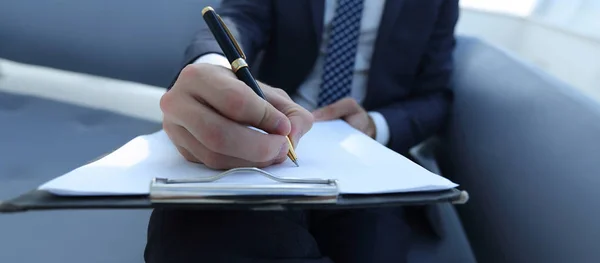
[331,150]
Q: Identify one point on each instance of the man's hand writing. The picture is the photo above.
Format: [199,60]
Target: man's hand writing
[207,113]
[350,111]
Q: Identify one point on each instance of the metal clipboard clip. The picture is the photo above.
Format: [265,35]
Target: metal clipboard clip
[203,190]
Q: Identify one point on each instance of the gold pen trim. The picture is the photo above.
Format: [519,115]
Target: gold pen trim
[238,64]
[291,153]
[206,9]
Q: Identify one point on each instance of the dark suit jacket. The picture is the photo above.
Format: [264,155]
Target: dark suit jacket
[410,67]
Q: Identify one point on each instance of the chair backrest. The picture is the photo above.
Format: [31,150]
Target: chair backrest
[136,40]
[527,148]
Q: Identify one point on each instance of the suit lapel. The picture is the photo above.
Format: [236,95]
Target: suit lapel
[387,26]
[317,12]
[391,10]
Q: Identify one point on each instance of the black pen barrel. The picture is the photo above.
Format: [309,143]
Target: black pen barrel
[245,75]
[221,36]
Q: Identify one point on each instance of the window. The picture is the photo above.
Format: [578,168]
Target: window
[513,7]
[578,16]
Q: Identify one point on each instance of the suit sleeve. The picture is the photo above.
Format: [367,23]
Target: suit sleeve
[422,115]
[248,20]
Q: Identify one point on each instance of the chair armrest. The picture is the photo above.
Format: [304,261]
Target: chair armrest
[424,154]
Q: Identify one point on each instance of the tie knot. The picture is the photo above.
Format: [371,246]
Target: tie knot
[347,9]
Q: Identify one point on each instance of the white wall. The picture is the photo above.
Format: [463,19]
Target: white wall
[572,58]
[499,29]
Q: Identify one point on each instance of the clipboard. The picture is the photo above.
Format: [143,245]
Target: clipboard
[194,186]
[201,193]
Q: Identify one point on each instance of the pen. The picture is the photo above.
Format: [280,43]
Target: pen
[237,58]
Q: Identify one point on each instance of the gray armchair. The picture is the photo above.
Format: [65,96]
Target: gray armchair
[527,148]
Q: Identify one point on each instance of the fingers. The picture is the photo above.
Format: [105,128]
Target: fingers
[194,151]
[362,122]
[187,155]
[207,113]
[358,121]
[218,134]
[301,120]
[337,110]
[233,99]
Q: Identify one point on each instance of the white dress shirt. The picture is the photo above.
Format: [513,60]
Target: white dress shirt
[308,91]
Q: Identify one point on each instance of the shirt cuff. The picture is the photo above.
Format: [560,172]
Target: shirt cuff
[382,131]
[215,59]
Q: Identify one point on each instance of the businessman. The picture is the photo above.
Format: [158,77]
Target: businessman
[382,66]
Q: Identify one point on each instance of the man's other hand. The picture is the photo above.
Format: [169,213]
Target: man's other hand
[207,113]
[350,111]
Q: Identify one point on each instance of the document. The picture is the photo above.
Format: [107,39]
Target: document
[330,150]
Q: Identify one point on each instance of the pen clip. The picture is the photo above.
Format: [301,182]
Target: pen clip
[235,43]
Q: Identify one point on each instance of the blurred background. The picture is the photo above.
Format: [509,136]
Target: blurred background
[560,36]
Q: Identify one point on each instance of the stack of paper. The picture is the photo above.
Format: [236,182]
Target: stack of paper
[330,150]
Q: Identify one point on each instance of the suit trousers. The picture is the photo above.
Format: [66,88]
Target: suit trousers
[307,236]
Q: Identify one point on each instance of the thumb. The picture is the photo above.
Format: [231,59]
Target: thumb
[274,121]
[300,119]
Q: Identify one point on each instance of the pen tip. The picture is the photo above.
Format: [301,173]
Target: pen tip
[296,163]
